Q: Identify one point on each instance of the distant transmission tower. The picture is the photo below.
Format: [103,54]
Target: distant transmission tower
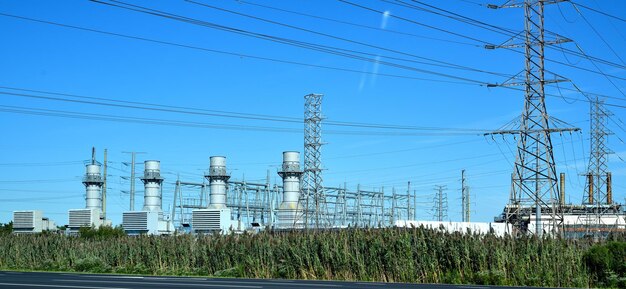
[313,196]
[465,199]
[535,184]
[441,203]
[596,190]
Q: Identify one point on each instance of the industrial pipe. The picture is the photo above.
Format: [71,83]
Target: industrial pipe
[590,182]
[562,196]
[609,189]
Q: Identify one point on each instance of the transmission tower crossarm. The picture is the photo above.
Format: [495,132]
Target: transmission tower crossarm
[519,131]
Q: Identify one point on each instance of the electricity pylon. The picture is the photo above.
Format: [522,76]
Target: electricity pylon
[534,181]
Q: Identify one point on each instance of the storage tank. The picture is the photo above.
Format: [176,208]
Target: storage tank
[93,187]
[152,186]
[217,177]
[290,211]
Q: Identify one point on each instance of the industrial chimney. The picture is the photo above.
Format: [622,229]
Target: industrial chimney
[150,219]
[289,211]
[216,217]
[609,189]
[152,186]
[217,177]
[92,215]
[93,186]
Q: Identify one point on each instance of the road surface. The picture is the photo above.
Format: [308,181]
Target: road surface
[21,280]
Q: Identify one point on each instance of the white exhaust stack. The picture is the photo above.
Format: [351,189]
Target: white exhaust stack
[92,215]
[289,211]
[150,219]
[217,181]
[216,217]
[93,187]
[152,186]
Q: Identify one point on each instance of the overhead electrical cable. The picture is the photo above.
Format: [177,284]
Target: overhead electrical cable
[444,63]
[599,35]
[167,122]
[597,11]
[241,55]
[203,112]
[504,31]
[291,42]
[385,30]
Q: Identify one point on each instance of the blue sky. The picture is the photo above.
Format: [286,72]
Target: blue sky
[42,155]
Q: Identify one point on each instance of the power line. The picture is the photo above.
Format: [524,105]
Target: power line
[240,55]
[153,121]
[307,45]
[597,11]
[89,100]
[260,58]
[354,24]
[598,34]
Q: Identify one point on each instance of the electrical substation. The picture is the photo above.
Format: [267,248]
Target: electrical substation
[221,204]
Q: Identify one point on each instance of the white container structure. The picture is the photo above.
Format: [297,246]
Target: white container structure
[30,222]
[499,229]
[290,210]
[150,219]
[92,215]
[217,217]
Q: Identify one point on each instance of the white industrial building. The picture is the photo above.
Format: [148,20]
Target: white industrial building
[498,229]
[150,219]
[29,222]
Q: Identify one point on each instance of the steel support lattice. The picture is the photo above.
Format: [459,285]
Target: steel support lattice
[534,188]
[441,204]
[596,189]
[313,197]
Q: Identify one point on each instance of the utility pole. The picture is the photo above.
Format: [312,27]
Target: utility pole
[104,186]
[132,178]
[535,182]
[465,199]
[441,203]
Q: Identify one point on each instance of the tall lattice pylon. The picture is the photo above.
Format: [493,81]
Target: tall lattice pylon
[596,189]
[440,207]
[534,182]
[465,199]
[313,197]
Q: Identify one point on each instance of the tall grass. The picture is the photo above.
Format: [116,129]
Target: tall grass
[394,255]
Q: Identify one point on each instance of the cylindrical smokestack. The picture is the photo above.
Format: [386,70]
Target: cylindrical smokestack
[590,189]
[562,196]
[289,209]
[217,181]
[152,186]
[609,189]
[93,186]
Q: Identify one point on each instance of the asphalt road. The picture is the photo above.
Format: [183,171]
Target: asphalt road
[19,280]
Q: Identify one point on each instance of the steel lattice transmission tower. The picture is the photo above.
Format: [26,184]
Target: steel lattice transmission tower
[313,197]
[596,190]
[465,199]
[441,203]
[534,181]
